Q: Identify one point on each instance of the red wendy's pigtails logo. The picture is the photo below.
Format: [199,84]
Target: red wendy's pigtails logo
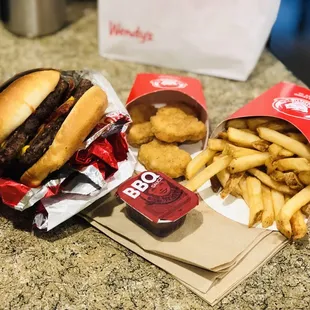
[296,107]
[168,83]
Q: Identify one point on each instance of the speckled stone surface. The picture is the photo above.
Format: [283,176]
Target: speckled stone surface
[77,267]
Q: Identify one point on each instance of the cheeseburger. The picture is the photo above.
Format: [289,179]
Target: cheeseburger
[44,119]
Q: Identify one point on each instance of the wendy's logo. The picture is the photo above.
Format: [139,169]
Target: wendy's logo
[296,107]
[168,82]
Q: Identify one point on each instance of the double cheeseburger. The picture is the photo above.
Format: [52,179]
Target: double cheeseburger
[44,119]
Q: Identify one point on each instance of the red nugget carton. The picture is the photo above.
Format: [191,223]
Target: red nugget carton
[285,101]
[157,202]
[164,89]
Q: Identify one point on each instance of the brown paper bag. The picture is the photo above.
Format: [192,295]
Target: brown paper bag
[210,286]
[206,239]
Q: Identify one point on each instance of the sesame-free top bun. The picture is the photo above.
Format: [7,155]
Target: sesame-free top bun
[82,119]
[21,98]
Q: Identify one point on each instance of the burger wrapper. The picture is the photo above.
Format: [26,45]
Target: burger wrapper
[159,90]
[284,101]
[102,164]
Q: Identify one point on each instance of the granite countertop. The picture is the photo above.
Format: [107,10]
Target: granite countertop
[77,267]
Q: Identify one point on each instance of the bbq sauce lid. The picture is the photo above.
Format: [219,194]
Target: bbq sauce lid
[157,197]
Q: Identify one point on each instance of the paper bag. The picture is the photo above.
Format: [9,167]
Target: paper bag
[221,38]
[204,240]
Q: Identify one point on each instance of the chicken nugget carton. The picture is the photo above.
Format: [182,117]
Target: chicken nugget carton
[151,92]
[282,102]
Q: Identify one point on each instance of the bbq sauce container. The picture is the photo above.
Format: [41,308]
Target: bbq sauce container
[156,202]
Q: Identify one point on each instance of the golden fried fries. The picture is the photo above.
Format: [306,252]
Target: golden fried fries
[205,175]
[237,123]
[265,178]
[290,208]
[293,164]
[265,161]
[255,199]
[216,144]
[198,162]
[268,213]
[299,227]
[277,202]
[247,162]
[304,177]
[241,138]
[286,142]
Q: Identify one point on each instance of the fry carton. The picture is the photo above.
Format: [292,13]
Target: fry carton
[284,101]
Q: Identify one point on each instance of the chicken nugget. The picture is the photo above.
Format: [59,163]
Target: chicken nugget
[139,134]
[187,109]
[141,112]
[173,125]
[162,157]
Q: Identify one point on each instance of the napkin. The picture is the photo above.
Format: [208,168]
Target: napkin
[210,259]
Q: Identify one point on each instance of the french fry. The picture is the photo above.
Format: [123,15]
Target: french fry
[304,177]
[255,122]
[202,177]
[293,164]
[265,179]
[298,136]
[277,202]
[230,185]
[269,163]
[216,144]
[290,208]
[236,191]
[275,149]
[239,123]
[306,210]
[249,131]
[286,142]
[299,227]
[223,176]
[237,151]
[278,151]
[244,191]
[292,181]
[261,145]
[223,135]
[198,162]
[277,176]
[247,162]
[279,125]
[242,138]
[268,213]
[255,199]
[285,153]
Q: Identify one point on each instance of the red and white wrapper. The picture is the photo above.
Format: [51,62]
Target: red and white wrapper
[101,165]
[161,89]
[285,101]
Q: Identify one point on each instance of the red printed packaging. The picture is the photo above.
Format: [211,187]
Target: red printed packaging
[285,101]
[159,89]
[157,202]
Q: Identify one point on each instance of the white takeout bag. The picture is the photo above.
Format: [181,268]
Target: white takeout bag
[223,38]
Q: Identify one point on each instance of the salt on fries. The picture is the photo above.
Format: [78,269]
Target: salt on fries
[264,160]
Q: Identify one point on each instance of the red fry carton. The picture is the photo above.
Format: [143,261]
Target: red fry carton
[285,101]
[155,89]
[157,202]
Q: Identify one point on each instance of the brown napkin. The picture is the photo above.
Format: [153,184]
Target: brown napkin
[107,216]
[206,239]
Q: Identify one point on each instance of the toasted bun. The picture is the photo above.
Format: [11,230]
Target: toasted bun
[84,116]
[21,98]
